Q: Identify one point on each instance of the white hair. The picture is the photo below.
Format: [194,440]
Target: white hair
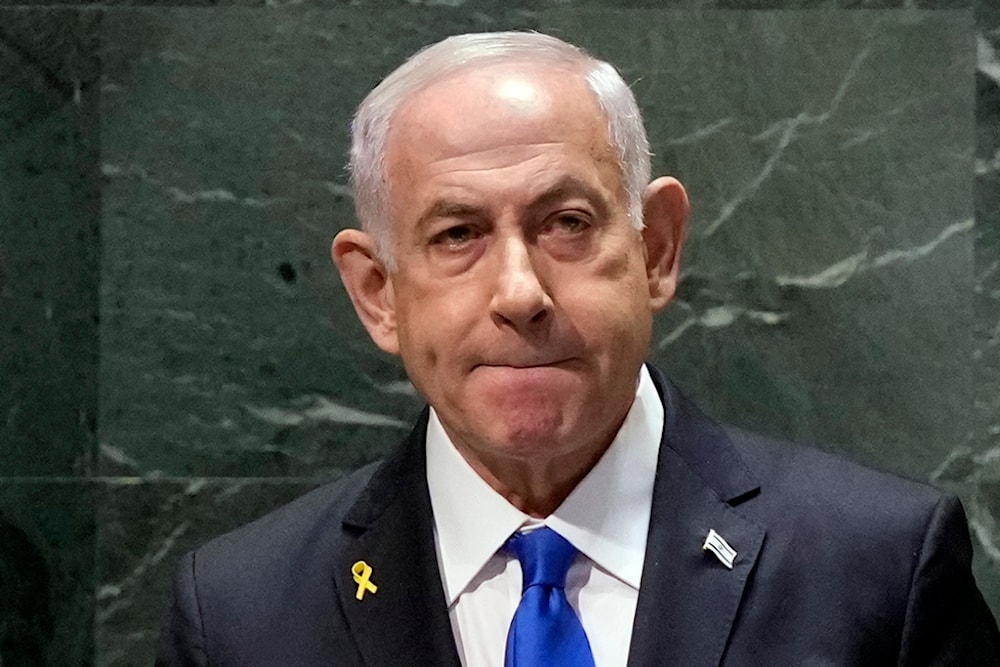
[373,119]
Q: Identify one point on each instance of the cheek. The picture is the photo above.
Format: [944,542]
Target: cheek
[608,318]
[430,330]
[617,317]
[615,296]
[411,332]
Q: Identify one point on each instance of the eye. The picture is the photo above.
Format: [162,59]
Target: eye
[573,223]
[569,223]
[570,234]
[455,236]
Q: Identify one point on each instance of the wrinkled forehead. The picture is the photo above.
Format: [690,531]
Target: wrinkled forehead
[503,104]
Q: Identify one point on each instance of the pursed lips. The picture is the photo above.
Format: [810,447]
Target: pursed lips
[525,365]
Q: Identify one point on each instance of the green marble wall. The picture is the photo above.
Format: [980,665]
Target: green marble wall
[177,355]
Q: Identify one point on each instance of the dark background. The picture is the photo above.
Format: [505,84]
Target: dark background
[177,355]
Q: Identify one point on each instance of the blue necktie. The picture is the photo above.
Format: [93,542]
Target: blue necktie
[545,630]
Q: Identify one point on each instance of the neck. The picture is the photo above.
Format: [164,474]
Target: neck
[537,485]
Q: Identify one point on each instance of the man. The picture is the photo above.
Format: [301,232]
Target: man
[513,253]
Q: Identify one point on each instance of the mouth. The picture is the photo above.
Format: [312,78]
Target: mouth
[525,364]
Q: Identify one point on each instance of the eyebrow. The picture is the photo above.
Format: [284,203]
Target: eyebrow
[445,208]
[571,186]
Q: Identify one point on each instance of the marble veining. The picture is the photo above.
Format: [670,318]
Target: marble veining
[178,357]
[786,130]
[857,264]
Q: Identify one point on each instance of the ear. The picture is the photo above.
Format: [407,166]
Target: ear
[665,213]
[369,285]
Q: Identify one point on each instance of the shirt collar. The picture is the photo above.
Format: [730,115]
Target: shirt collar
[606,517]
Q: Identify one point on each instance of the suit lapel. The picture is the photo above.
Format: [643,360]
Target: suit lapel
[688,599]
[405,622]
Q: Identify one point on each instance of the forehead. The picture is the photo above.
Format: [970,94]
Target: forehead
[497,107]
[492,119]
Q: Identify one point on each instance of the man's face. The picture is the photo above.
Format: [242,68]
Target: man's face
[521,303]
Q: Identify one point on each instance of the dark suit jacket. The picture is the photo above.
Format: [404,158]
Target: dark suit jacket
[835,565]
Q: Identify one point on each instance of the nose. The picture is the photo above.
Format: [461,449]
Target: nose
[520,300]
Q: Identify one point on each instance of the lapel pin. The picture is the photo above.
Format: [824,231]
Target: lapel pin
[718,546]
[362,572]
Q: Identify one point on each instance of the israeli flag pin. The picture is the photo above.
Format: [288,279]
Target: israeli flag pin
[718,546]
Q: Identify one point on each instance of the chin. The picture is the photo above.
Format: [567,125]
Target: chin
[531,436]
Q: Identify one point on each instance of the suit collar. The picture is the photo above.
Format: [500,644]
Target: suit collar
[606,517]
[689,600]
[703,445]
[405,622]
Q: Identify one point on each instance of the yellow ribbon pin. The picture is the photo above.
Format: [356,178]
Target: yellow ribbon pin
[362,572]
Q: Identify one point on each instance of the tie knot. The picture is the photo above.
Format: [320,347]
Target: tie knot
[545,556]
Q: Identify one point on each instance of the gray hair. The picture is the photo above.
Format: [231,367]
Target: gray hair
[373,118]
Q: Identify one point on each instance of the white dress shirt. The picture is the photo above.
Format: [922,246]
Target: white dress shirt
[606,517]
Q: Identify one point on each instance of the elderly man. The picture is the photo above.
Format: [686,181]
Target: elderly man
[559,502]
